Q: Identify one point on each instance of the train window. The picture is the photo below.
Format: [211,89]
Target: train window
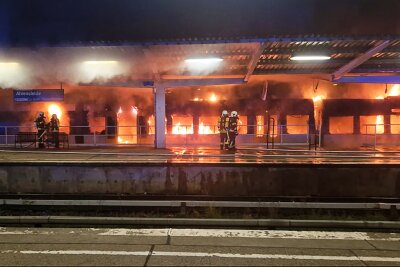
[368,124]
[395,124]
[208,125]
[297,124]
[341,125]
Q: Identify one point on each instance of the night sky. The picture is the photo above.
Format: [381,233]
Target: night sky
[58,22]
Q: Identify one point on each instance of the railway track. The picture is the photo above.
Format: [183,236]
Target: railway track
[41,209]
[201,198]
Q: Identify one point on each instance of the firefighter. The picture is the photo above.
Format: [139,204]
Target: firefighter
[233,130]
[54,126]
[223,130]
[40,124]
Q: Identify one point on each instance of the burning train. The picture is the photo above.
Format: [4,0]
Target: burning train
[109,116]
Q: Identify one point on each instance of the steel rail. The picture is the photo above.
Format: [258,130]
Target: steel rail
[198,222]
[198,204]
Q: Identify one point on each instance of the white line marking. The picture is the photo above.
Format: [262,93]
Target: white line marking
[256,234]
[219,233]
[202,254]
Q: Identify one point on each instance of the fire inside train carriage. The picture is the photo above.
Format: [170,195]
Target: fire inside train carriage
[284,115]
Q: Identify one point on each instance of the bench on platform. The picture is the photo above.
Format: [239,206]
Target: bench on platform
[25,137]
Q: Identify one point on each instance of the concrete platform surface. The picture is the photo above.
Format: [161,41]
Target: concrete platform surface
[199,155]
[195,247]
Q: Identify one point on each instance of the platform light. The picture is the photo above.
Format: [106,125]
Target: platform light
[12,74]
[92,69]
[202,66]
[203,60]
[313,57]
[8,64]
[100,62]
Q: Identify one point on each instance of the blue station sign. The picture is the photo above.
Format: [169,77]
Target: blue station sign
[38,95]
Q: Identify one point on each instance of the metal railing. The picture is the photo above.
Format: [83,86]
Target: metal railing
[381,137]
[184,135]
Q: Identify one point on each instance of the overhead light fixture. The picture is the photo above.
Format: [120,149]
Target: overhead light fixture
[9,64]
[310,58]
[203,60]
[100,62]
[105,69]
[12,74]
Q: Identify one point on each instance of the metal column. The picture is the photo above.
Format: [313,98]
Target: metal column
[159,115]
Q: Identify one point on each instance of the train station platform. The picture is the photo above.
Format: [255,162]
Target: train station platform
[250,171]
[201,155]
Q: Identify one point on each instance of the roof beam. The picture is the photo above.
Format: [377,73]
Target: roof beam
[254,60]
[332,61]
[328,49]
[131,83]
[217,40]
[169,83]
[201,82]
[369,79]
[324,71]
[359,60]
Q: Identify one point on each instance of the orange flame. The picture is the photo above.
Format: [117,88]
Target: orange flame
[205,129]
[317,98]
[178,128]
[126,127]
[380,128]
[55,109]
[213,98]
[395,90]
[260,125]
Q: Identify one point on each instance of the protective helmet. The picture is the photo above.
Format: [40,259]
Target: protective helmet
[41,114]
[234,114]
[224,113]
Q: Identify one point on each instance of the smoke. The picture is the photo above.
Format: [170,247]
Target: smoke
[47,67]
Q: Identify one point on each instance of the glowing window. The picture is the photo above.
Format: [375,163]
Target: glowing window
[208,125]
[260,130]
[297,124]
[341,125]
[367,124]
[182,124]
[242,126]
[395,124]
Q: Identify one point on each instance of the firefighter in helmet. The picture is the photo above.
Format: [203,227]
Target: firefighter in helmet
[233,129]
[223,129]
[54,126]
[40,124]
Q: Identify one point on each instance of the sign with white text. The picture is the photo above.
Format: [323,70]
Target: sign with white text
[38,95]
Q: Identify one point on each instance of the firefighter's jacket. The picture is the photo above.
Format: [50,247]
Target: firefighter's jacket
[54,125]
[233,124]
[40,123]
[223,123]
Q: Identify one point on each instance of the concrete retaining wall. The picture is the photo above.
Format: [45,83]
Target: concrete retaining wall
[207,179]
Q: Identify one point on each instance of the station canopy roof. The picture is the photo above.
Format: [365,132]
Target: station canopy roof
[153,39]
[234,59]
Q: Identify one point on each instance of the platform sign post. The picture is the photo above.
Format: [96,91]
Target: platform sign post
[159,115]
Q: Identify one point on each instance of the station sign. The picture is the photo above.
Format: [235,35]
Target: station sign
[38,95]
